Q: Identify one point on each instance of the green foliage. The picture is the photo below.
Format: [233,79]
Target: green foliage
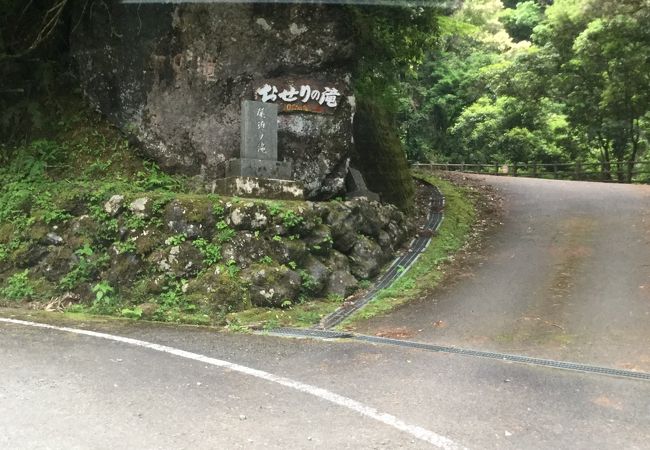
[309,285]
[134,222]
[391,41]
[177,239]
[275,208]
[520,21]
[217,208]
[211,252]
[175,306]
[132,313]
[104,302]
[127,246]
[232,268]
[224,232]
[89,263]
[18,287]
[266,260]
[579,91]
[290,219]
[152,178]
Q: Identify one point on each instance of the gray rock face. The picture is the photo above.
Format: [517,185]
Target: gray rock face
[249,216]
[271,285]
[366,258]
[114,205]
[181,260]
[193,219]
[141,207]
[341,283]
[125,268]
[245,249]
[318,276]
[174,76]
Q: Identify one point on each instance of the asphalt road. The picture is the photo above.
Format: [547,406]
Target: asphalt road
[566,277]
[64,390]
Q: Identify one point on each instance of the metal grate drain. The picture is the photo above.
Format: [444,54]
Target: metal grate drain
[564,365]
[508,357]
[301,332]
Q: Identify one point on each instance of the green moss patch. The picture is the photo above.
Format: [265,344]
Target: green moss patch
[380,156]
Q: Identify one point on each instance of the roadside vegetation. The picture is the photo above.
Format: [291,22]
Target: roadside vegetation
[429,270]
[89,227]
[61,250]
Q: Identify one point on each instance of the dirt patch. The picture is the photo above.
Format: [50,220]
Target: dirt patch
[395,333]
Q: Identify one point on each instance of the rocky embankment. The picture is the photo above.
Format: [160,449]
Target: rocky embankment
[217,255]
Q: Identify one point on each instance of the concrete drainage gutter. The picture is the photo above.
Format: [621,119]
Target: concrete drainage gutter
[399,266]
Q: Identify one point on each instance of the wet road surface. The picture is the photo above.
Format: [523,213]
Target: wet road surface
[567,276]
[65,391]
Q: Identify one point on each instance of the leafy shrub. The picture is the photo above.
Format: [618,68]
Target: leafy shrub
[152,178]
[18,286]
[134,313]
[104,302]
[290,219]
[211,252]
[224,233]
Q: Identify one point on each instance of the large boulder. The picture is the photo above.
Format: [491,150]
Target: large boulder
[174,77]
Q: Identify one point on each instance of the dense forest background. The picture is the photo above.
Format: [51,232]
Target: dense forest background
[476,81]
[535,80]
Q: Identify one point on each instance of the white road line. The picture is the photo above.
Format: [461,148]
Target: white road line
[387,419]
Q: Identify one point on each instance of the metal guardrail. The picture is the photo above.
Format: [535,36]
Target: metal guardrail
[616,172]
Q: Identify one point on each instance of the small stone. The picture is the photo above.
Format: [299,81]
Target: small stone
[140,207]
[114,205]
[53,239]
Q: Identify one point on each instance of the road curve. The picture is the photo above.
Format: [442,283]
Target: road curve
[567,276]
[63,390]
[554,281]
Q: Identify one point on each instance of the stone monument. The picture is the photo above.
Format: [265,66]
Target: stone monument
[257,172]
[258,154]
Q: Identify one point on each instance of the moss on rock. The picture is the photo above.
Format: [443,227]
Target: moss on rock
[380,156]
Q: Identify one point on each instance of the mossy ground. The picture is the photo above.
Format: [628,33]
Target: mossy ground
[302,315]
